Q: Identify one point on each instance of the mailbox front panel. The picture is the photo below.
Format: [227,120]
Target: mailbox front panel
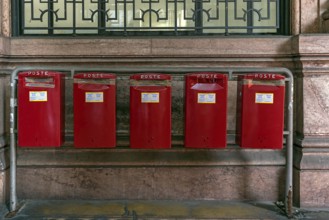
[205,110]
[260,118]
[94,110]
[40,109]
[150,111]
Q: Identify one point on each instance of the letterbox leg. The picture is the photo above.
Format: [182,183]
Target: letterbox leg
[13,195]
[289,146]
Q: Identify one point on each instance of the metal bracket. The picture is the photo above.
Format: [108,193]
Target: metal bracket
[13,102]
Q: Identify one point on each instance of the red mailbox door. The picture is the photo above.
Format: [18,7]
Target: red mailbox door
[94,110]
[260,110]
[205,110]
[150,111]
[40,109]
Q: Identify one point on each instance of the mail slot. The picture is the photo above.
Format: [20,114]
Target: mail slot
[40,109]
[260,110]
[150,110]
[94,110]
[205,110]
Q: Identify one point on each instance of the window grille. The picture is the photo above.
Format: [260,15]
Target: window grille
[149,17]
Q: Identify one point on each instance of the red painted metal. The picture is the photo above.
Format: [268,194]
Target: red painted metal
[150,111]
[94,110]
[40,109]
[260,111]
[205,110]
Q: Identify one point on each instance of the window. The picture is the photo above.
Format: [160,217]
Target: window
[149,17]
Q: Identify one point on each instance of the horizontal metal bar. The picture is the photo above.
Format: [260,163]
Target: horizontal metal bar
[153,28]
[173,70]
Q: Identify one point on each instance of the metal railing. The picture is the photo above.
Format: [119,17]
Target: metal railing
[230,71]
[129,17]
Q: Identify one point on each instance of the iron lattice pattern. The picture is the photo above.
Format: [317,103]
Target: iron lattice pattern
[172,17]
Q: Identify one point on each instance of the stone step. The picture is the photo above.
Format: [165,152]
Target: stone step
[148,210]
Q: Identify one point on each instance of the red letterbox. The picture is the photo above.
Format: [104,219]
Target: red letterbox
[94,110]
[260,110]
[205,110]
[40,109]
[150,111]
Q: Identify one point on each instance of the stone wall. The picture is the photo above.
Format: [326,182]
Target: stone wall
[312,122]
[305,53]
[133,174]
[306,16]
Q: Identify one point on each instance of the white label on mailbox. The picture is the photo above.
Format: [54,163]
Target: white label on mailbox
[150,97]
[264,98]
[94,97]
[207,98]
[38,96]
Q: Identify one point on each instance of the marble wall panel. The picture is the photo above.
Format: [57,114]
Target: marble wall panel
[312,188]
[5,18]
[147,183]
[151,48]
[309,16]
[316,105]
[310,48]
[306,16]
[295,17]
[4,46]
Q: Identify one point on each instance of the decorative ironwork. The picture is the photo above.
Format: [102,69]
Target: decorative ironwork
[131,17]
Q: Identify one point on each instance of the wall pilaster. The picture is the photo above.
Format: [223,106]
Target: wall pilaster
[311,157]
[312,90]
[5,18]
[306,16]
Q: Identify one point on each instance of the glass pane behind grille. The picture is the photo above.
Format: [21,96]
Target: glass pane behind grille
[126,17]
